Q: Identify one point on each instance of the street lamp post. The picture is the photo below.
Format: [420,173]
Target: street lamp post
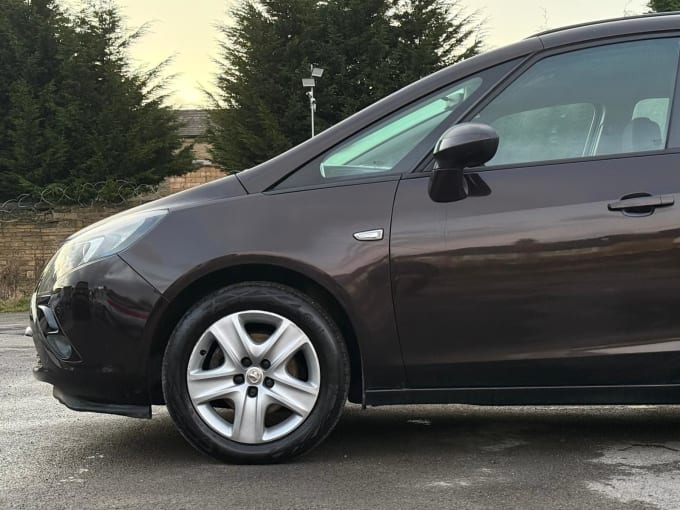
[310,83]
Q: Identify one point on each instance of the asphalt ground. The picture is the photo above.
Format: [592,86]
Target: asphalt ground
[382,458]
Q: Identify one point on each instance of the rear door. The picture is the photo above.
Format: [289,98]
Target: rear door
[564,268]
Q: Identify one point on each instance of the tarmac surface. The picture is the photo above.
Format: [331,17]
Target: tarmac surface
[382,458]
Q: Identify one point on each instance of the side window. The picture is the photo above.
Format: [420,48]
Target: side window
[657,109]
[381,148]
[551,132]
[611,99]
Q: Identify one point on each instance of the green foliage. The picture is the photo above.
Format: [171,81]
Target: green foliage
[71,107]
[14,305]
[368,48]
[664,5]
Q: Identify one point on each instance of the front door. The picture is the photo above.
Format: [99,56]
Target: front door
[564,268]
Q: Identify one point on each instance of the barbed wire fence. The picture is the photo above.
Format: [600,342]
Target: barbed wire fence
[86,195]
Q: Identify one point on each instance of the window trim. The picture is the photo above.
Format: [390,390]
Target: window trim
[553,162]
[384,177]
[673,136]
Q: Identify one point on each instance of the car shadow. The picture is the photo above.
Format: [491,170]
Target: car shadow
[427,430]
[430,432]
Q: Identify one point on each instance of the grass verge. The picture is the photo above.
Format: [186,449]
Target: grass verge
[14,305]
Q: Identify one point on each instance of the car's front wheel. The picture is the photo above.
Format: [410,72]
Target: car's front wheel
[255,372]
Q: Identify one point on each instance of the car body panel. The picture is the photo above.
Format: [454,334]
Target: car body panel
[219,190]
[540,284]
[629,26]
[102,309]
[310,232]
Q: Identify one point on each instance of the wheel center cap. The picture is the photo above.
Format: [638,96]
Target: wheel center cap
[254,375]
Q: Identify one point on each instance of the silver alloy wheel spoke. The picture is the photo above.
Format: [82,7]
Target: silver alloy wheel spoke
[232,348]
[249,415]
[298,399]
[256,388]
[282,353]
[207,385]
[282,377]
[272,341]
[247,343]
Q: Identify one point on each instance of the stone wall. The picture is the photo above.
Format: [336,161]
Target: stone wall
[28,243]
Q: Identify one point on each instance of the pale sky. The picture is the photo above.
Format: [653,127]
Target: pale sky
[186,31]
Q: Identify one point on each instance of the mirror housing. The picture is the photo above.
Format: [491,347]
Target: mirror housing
[462,146]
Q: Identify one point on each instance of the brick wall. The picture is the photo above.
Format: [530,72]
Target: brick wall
[192,179]
[27,244]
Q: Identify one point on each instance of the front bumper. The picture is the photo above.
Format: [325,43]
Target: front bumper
[89,333]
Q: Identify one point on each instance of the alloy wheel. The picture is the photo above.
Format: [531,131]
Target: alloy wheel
[253,376]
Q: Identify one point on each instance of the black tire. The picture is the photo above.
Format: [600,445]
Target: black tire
[306,314]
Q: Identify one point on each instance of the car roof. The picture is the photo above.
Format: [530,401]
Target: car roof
[647,23]
[608,20]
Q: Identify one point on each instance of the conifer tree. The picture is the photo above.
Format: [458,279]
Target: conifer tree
[72,109]
[664,5]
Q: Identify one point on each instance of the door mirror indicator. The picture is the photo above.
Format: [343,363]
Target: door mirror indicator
[463,146]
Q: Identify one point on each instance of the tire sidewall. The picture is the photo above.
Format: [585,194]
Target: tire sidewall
[294,306]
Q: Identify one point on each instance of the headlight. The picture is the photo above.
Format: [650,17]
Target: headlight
[103,239]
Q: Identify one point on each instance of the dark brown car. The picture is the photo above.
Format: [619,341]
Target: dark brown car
[501,232]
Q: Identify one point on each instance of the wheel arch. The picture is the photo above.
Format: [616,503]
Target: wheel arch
[180,297]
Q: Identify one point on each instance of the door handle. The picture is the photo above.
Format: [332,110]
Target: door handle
[635,202]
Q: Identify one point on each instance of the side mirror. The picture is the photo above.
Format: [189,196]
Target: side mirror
[463,146]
